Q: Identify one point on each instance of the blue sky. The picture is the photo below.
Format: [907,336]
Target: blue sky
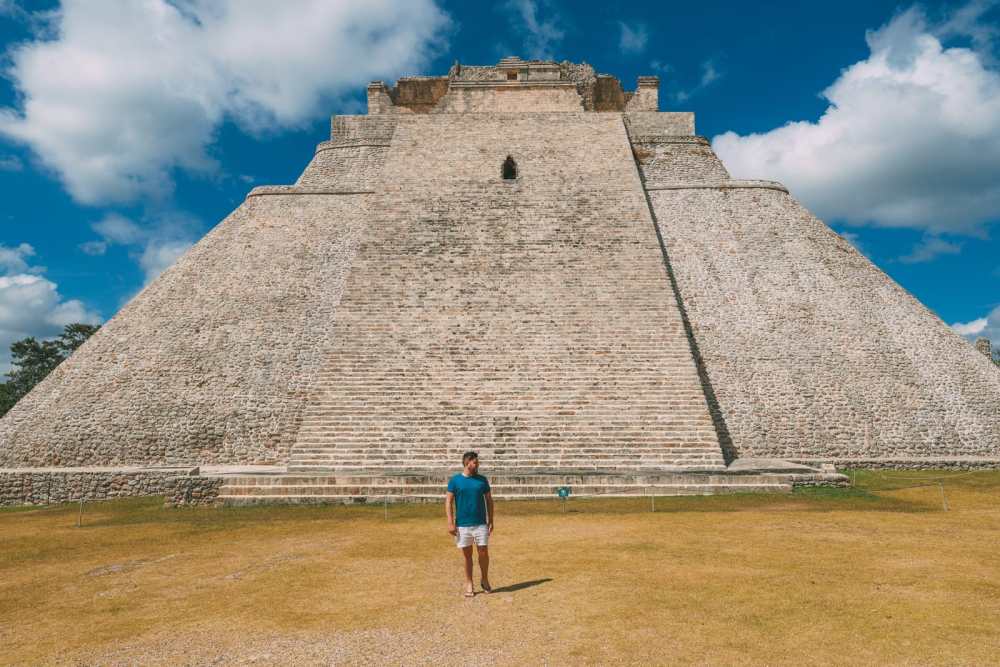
[129,129]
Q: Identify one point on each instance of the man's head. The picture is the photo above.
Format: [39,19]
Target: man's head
[470,461]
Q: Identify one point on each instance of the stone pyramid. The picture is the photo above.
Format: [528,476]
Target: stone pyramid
[525,260]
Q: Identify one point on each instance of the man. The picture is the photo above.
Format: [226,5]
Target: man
[469,506]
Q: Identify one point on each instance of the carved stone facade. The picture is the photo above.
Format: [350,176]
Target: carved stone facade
[622,303]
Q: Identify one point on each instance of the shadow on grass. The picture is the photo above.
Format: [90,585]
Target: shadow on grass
[522,585]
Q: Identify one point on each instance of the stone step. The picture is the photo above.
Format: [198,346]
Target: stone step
[496,460]
[508,491]
[506,451]
[441,477]
[507,462]
[294,497]
[561,460]
[575,464]
[374,470]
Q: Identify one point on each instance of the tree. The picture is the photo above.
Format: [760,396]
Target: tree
[32,360]
[996,356]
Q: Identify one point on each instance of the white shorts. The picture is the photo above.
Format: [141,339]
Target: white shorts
[466,535]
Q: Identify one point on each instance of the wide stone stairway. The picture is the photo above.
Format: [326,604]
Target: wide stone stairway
[531,320]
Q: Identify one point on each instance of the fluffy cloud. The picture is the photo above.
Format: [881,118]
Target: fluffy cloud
[160,254]
[155,244]
[911,137]
[929,248]
[540,36]
[633,39]
[117,95]
[972,328]
[15,260]
[983,327]
[30,305]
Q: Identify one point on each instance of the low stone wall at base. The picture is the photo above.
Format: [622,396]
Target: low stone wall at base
[47,487]
[190,491]
[909,464]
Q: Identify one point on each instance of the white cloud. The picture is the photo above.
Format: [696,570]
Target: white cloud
[710,73]
[160,254]
[633,39]
[115,228]
[15,260]
[983,327]
[929,248]
[155,244]
[95,248]
[30,305]
[540,36]
[970,21]
[970,328]
[911,137]
[123,93]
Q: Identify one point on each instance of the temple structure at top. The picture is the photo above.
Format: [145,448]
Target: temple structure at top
[513,85]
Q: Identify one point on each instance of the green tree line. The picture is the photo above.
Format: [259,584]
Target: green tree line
[32,360]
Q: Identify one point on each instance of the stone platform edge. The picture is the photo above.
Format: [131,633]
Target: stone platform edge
[905,463]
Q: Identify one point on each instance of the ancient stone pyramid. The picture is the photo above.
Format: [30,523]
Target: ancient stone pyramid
[525,260]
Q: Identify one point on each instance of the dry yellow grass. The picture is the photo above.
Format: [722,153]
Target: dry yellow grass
[873,576]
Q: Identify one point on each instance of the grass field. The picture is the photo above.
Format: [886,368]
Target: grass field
[877,574]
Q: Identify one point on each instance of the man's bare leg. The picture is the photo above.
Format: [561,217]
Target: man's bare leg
[484,566]
[467,552]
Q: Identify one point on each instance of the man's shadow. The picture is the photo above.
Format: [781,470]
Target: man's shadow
[521,586]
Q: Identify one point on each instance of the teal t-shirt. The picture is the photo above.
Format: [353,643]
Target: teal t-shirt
[470,504]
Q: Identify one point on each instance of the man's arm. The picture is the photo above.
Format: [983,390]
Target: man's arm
[449,509]
[489,510]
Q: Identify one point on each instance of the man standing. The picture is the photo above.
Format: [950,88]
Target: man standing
[469,506]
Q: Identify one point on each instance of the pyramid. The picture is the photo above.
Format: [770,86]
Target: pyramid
[526,260]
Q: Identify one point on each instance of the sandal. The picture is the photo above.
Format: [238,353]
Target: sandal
[486,587]
[470,594]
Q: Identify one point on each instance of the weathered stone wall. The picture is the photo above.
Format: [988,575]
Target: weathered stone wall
[608,94]
[677,159]
[419,94]
[664,124]
[811,350]
[344,166]
[211,361]
[646,96]
[510,315]
[190,491]
[47,487]
[352,160]
[500,98]
[362,129]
